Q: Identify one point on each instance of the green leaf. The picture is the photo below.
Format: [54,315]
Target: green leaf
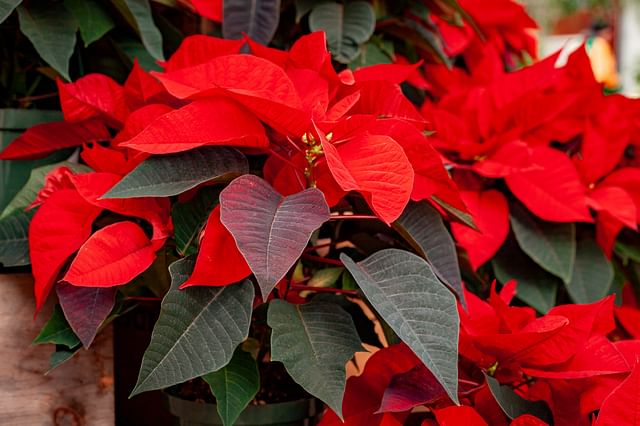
[137,13]
[550,245]
[30,190]
[52,30]
[257,19]
[57,331]
[370,54]
[14,239]
[234,385]
[536,287]
[16,173]
[627,251]
[189,219]
[197,331]
[94,21]
[60,356]
[131,49]
[6,7]
[404,290]
[347,26]
[303,7]
[513,405]
[461,216]
[173,174]
[422,226]
[592,273]
[314,341]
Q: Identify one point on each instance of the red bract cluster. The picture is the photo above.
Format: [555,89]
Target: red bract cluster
[563,358]
[337,132]
[549,133]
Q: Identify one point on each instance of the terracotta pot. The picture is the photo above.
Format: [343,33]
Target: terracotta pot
[305,412]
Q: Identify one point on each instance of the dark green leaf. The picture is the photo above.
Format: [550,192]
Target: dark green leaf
[234,385]
[173,174]
[314,341]
[347,26]
[592,273]
[189,218]
[60,356]
[536,287]
[409,297]
[256,18]
[458,214]
[6,7]
[303,7]
[197,331]
[94,21]
[422,226]
[29,191]
[138,14]
[131,49]
[14,239]
[627,251]
[550,245]
[57,331]
[370,54]
[513,405]
[52,30]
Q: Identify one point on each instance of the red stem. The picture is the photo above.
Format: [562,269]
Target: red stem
[143,299]
[353,216]
[298,287]
[322,259]
[312,248]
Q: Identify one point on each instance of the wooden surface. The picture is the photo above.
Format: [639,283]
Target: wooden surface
[78,393]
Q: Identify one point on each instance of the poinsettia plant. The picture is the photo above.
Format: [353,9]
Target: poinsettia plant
[288,193]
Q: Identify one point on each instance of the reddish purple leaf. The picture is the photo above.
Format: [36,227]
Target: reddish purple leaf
[86,308]
[270,230]
[417,386]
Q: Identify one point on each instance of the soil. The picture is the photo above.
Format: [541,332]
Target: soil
[276,386]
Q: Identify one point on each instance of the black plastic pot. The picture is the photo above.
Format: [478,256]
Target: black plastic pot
[305,412]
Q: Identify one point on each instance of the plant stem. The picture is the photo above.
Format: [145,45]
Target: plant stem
[353,216]
[143,299]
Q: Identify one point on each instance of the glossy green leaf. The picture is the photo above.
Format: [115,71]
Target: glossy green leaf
[93,19]
[51,28]
[189,219]
[513,405]
[592,273]
[256,18]
[30,190]
[234,385]
[138,14]
[347,26]
[422,226]
[132,49]
[551,245]
[406,293]
[370,54]
[6,7]
[197,331]
[314,341]
[14,239]
[536,287]
[173,174]
[57,331]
